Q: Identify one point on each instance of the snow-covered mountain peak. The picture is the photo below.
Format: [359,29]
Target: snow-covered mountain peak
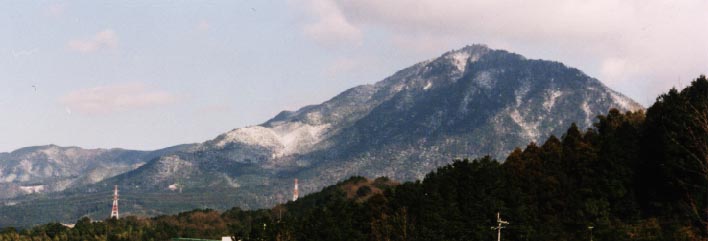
[460,59]
[469,54]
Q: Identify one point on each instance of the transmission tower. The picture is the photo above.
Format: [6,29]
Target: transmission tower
[295,191]
[114,210]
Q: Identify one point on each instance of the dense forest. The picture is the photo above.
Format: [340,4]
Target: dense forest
[633,176]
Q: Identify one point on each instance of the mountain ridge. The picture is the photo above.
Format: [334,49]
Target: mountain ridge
[470,102]
[52,168]
[438,109]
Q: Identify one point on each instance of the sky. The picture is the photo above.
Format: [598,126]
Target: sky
[152,74]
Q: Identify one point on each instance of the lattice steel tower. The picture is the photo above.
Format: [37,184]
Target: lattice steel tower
[295,191]
[114,210]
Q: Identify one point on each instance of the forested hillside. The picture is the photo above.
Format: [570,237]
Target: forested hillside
[633,176]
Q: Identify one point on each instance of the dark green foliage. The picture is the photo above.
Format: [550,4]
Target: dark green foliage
[631,177]
[363,191]
[676,147]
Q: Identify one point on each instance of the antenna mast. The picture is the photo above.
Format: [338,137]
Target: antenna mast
[114,210]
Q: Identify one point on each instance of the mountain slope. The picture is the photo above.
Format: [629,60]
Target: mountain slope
[488,105]
[470,102]
[51,168]
[466,103]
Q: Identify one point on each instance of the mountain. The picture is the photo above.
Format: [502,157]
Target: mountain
[633,176]
[51,168]
[470,102]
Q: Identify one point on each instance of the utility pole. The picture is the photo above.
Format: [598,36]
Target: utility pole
[114,210]
[499,226]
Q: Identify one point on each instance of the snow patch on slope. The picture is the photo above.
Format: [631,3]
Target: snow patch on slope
[521,92]
[623,102]
[283,138]
[469,94]
[230,181]
[26,166]
[168,166]
[459,59]
[551,98]
[32,189]
[104,172]
[428,86]
[255,135]
[588,113]
[530,130]
[485,79]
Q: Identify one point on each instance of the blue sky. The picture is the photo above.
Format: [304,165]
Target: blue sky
[150,74]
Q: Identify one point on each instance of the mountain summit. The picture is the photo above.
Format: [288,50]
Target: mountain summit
[470,102]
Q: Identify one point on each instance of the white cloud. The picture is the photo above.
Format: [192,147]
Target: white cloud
[328,25]
[115,98]
[621,42]
[106,39]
